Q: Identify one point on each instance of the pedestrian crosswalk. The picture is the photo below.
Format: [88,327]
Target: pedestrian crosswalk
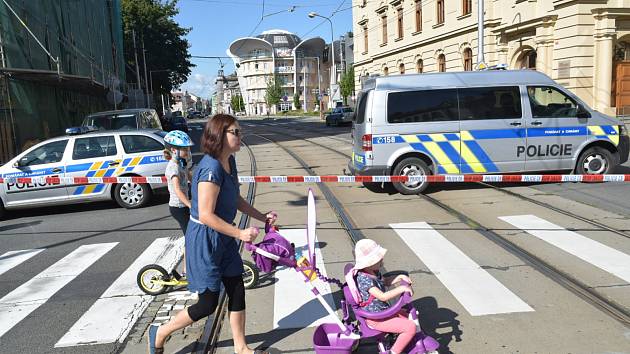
[112,315]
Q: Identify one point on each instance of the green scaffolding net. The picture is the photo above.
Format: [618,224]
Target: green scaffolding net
[48,86]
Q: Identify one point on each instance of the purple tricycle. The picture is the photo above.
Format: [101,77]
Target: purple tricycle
[342,336]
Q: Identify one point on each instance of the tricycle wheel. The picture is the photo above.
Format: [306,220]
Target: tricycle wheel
[147,277]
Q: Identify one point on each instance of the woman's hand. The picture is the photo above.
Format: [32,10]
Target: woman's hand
[249,234]
[271,217]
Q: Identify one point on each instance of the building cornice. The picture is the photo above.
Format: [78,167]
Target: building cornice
[381,9]
[611,12]
[395,3]
[529,24]
[563,3]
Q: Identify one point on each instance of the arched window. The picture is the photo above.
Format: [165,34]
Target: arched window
[401,68]
[468,60]
[385,71]
[441,63]
[419,66]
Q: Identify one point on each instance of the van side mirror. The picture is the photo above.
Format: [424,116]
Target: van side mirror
[582,112]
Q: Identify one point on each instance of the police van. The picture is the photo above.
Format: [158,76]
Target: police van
[85,154]
[483,122]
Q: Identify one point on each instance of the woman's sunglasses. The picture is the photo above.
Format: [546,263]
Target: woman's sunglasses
[236,131]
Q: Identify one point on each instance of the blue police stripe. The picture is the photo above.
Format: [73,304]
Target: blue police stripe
[498,134]
[424,138]
[441,170]
[560,131]
[481,156]
[109,172]
[451,136]
[126,162]
[78,168]
[90,174]
[79,190]
[450,152]
[99,188]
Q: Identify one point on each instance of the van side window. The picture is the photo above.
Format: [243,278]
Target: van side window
[490,103]
[360,115]
[549,102]
[422,106]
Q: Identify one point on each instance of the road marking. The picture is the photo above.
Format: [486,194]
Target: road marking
[475,289]
[14,258]
[113,315]
[593,252]
[295,306]
[19,303]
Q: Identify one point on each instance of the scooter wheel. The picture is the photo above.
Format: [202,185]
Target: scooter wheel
[147,277]
[250,274]
[355,346]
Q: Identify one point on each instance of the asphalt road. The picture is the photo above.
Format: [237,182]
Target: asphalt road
[577,325]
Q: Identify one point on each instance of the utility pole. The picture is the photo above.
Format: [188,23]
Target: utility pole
[146,79]
[480,60]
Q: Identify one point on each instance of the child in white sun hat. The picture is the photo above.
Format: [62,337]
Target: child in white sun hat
[374,296]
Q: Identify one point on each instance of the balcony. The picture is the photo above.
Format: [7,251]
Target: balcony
[285,69]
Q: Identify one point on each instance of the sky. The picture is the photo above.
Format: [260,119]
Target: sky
[217,23]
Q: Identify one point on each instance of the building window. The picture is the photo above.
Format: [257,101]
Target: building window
[365,39]
[385,71]
[441,63]
[418,15]
[401,68]
[400,23]
[384,21]
[466,7]
[419,66]
[440,11]
[468,59]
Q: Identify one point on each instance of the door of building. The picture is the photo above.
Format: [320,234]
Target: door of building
[622,87]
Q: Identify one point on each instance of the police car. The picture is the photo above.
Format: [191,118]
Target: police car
[82,153]
[479,122]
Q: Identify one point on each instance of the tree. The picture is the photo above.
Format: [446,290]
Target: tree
[238,105]
[164,41]
[347,84]
[274,92]
[296,101]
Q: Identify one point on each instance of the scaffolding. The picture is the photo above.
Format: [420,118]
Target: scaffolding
[59,61]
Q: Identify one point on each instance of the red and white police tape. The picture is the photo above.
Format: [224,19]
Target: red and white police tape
[334,179]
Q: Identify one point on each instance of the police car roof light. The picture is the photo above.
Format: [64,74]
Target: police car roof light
[81,130]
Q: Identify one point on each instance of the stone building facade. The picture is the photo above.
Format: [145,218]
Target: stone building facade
[582,44]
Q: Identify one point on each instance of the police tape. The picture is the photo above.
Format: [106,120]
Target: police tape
[41,181]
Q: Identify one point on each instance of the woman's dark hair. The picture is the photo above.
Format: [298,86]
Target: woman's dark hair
[214,134]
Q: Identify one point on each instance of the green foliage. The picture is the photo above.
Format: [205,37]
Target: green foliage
[237,103]
[296,101]
[274,91]
[347,84]
[164,41]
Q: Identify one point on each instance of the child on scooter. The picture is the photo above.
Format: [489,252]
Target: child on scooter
[374,296]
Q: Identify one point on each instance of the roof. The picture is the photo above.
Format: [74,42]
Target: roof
[457,79]
[120,111]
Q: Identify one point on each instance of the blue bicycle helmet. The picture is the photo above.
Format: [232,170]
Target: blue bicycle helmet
[178,138]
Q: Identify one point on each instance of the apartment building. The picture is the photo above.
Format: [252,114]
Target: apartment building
[583,45]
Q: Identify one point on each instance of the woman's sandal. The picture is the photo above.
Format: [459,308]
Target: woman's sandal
[152,335]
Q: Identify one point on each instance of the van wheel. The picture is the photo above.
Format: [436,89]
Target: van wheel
[132,195]
[411,166]
[595,161]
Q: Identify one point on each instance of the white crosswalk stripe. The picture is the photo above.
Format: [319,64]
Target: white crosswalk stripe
[21,302]
[15,258]
[294,303]
[593,252]
[474,288]
[113,315]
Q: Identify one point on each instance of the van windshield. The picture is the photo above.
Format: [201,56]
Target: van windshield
[112,121]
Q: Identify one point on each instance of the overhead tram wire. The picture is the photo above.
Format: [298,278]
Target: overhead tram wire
[323,21]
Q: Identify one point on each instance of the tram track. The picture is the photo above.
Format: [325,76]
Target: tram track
[572,284]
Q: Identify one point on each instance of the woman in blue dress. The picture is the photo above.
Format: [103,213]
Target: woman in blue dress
[212,254]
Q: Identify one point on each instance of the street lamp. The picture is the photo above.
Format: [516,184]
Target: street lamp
[332,43]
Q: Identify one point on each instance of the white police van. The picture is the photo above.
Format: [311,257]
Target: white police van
[479,122]
[92,154]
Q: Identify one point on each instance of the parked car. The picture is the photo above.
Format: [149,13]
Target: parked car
[91,154]
[339,115]
[126,119]
[178,123]
[195,115]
